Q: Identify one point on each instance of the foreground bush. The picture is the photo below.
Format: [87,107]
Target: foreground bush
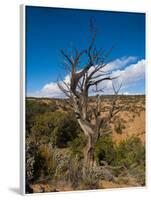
[104,149]
[45,164]
[58,128]
[65,128]
[119,126]
[77,145]
[35,108]
[130,151]
[54,149]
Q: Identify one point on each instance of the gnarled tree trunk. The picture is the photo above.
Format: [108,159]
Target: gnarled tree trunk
[88,152]
[88,155]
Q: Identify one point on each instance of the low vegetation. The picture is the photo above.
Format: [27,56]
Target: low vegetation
[54,151]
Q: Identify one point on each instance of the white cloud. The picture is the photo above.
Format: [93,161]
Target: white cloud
[119,63]
[129,75]
[126,93]
[132,74]
[48,90]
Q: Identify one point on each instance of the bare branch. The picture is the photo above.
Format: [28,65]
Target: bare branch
[67,93]
[69,59]
[116,91]
[100,80]
[99,75]
[108,53]
[114,108]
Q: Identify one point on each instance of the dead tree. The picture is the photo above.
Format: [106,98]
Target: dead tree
[89,76]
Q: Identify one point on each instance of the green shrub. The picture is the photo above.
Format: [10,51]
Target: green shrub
[139,173]
[77,145]
[63,164]
[119,126]
[30,160]
[42,128]
[35,108]
[104,149]
[44,162]
[129,152]
[65,128]
[90,182]
[58,128]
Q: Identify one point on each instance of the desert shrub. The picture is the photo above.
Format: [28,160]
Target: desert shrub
[65,128]
[138,172]
[77,145]
[129,152]
[68,167]
[90,182]
[44,162]
[58,128]
[106,129]
[34,108]
[42,128]
[47,154]
[63,160]
[119,126]
[104,149]
[30,160]
[76,171]
[95,176]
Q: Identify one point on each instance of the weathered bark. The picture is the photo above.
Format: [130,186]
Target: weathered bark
[89,148]
[88,155]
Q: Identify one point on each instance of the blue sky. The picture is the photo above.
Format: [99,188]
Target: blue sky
[48,30]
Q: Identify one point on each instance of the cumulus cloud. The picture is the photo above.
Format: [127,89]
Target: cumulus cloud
[50,90]
[120,63]
[128,72]
[130,76]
